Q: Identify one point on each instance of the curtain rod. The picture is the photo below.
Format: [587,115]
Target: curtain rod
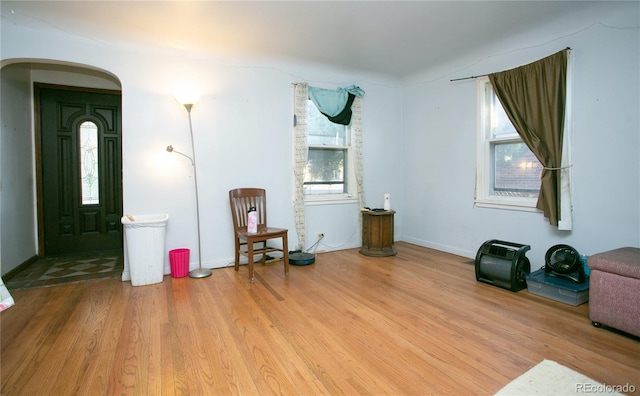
[468,78]
[481,75]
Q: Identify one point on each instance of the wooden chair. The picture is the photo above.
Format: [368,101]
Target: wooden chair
[240,200]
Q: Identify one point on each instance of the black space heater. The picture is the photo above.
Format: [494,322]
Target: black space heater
[503,264]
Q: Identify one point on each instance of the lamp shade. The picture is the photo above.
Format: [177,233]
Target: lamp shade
[186,97]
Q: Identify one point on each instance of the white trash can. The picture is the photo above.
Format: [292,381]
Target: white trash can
[144,245]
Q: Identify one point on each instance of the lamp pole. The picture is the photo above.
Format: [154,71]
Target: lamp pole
[200,272]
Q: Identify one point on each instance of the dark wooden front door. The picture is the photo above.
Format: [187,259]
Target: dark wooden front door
[80,165]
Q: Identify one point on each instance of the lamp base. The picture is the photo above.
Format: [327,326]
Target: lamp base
[200,273]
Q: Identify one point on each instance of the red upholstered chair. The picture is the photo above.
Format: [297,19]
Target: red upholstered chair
[240,200]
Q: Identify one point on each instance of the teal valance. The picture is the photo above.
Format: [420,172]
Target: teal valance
[335,104]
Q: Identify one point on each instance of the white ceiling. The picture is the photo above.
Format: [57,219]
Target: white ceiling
[395,38]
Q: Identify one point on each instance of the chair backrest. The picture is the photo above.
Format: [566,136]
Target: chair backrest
[241,199]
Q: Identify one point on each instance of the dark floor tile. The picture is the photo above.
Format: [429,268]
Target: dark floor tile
[67,269]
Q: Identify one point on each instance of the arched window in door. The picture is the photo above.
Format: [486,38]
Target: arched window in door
[89,175]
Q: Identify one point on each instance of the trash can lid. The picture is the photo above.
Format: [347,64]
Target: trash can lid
[142,220]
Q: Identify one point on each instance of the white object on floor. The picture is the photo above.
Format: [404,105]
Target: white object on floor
[144,248]
[6,300]
[550,378]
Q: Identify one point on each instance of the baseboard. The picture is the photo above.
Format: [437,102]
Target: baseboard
[12,273]
[441,247]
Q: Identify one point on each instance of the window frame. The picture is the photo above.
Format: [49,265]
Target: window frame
[349,173]
[484,159]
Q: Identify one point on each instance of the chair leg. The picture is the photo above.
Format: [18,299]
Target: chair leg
[237,262]
[250,256]
[285,251]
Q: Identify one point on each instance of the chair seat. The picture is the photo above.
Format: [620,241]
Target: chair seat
[265,232]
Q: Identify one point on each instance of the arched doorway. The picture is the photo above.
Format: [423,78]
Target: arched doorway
[22,189]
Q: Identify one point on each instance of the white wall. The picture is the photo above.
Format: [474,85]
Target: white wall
[243,135]
[439,146]
[17,189]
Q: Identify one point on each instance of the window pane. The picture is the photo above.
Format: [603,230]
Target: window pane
[501,126]
[323,131]
[325,171]
[89,163]
[516,170]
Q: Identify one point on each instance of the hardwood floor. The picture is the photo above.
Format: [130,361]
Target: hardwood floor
[412,324]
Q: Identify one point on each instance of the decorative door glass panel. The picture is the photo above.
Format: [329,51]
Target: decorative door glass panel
[89,163]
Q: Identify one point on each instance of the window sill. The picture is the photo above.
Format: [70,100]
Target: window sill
[328,200]
[523,206]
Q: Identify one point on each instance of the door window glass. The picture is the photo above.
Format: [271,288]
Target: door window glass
[89,163]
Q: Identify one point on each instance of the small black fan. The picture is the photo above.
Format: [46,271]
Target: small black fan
[563,261]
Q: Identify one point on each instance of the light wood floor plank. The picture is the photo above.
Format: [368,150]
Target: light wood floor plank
[413,324]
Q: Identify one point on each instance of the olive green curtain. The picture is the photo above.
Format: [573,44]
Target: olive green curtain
[533,96]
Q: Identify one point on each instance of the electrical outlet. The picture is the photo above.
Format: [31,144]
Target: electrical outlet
[320,235]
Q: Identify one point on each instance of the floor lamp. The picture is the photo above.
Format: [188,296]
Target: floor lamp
[200,272]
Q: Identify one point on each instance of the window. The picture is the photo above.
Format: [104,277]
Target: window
[329,173]
[89,163]
[508,174]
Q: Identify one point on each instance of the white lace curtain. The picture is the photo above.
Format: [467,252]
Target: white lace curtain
[300,159]
[356,129]
[301,96]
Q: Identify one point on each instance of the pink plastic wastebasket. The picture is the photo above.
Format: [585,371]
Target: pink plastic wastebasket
[179,260]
